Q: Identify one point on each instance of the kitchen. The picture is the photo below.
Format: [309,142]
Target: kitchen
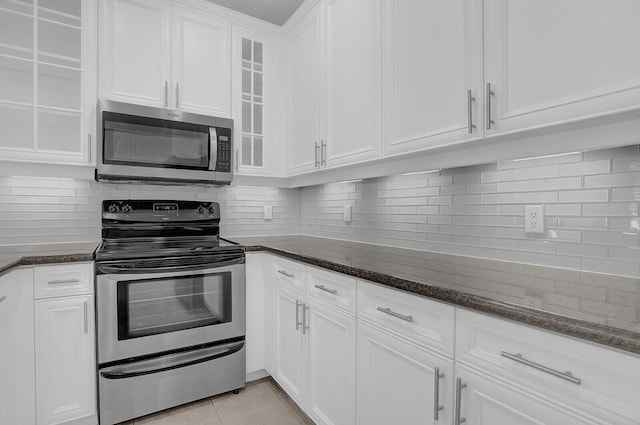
[385,150]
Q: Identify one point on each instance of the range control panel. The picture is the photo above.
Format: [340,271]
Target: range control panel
[160,210]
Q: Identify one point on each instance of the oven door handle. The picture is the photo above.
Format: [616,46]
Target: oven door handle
[170,361]
[122,268]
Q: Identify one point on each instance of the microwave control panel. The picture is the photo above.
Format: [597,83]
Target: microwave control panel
[223,162]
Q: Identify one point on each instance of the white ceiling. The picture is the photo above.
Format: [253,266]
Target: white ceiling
[274,11]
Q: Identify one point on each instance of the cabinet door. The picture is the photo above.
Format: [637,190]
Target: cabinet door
[46,82]
[432,56]
[252,103]
[17,380]
[552,61]
[353,81]
[201,63]
[488,401]
[331,347]
[289,343]
[305,104]
[396,381]
[65,359]
[135,52]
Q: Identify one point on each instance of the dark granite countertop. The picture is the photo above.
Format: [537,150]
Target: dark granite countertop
[600,308]
[29,255]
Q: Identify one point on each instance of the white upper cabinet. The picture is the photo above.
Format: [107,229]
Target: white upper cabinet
[47,88]
[252,103]
[157,54]
[353,83]
[552,61]
[305,55]
[432,73]
[134,65]
[201,64]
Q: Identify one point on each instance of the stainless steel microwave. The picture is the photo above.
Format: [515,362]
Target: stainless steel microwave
[154,145]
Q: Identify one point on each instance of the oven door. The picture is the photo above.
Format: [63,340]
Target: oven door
[146,313]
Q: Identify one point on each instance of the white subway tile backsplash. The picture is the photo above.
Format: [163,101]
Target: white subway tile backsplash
[591,202]
[611,180]
[597,195]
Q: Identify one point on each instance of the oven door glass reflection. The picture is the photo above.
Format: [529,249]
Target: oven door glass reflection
[162,305]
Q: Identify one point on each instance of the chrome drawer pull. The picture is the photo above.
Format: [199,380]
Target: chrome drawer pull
[305,325]
[458,407]
[567,376]
[325,289]
[291,275]
[60,282]
[394,314]
[2,298]
[436,393]
[487,99]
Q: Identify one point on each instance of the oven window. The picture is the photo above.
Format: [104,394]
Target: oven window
[163,305]
[151,142]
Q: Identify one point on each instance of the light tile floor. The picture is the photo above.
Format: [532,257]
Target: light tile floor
[260,403]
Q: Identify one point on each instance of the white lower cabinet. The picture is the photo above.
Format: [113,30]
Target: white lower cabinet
[289,342]
[65,365]
[397,381]
[488,400]
[17,379]
[314,345]
[331,365]
[353,352]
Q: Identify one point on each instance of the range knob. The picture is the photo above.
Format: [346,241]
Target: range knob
[200,210]
[114,208]
[211,209]
[127,209]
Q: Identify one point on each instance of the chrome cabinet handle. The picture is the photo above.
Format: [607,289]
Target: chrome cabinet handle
[567,376]
[305,326]
[487,99]
[459,386]
[436,393]
[62,281]
[166,94]
[177,95]
[237,162]
[86,318]
[317,162]
[298,322]
[290,275]
[2,298]
[470,124]
[325,289]
[323,153]
[394,314]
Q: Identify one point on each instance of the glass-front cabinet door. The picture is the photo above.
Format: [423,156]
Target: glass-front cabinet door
[43,80]
[252,103]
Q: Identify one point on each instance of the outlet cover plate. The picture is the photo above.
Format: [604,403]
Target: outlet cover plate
[534,219]
[346,214]
[268,212]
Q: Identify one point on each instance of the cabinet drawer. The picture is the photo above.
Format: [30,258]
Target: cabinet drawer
[334,289]
[607,378]
[426,322]
[62,280]
[289,272]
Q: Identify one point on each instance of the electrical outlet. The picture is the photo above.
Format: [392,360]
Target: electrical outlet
[268,212]
[346,214]
[534,219]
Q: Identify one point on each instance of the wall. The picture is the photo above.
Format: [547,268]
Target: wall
[46,210]
[591,204]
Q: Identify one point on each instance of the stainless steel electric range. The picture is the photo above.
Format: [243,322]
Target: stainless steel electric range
[170,302]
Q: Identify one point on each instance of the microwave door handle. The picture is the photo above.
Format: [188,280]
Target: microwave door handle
[213,148]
